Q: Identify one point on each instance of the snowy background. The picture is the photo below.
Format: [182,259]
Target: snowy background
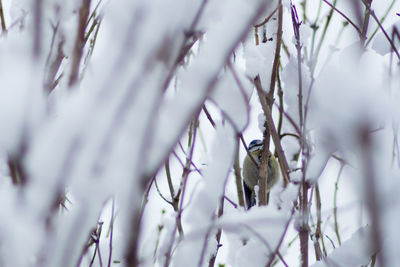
[124,125]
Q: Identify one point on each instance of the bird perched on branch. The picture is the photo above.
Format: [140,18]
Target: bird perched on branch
[251,174]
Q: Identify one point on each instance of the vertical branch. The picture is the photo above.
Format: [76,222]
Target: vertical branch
[111,233]
[275,138]
[37,28]
[281,110]
[182,189]
[304,207]
[79,42]
[17,172]
[303,227]
[364,29]
[296,29]
[3,21]
[370,194]
[174,198]
[132,259]
[335,205]
[318,232]
[275,66]
[263,169]
[219,233]
[324,31]
[238,177]
[51,81]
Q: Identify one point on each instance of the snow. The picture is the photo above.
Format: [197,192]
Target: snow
[353,252]
[381,44]
[103,140]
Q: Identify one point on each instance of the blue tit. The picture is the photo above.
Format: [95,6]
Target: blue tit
[250,172]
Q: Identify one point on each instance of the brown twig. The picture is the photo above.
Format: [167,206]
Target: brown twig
[364,29]
[275,66]
[17,171]
[182,189]
[268,18]
[335,204]
[238,177]
[280,95]
[111,233]
[304,205]
[208,115]
[281,156]
[79,42]
[175,198]
[218,235]
[159,192]
[37,28]
[211,227]
[371,194]
[3,21]
[318,231]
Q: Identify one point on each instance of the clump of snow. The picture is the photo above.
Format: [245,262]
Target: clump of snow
[353,252]
[382,45]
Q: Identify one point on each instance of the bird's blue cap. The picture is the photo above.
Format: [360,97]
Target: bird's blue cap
[255,144]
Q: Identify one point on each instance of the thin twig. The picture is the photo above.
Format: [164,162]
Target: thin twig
[37,28]
[381,21]
[280,95]
[168,253]
[343,15]
[208,115]
[160,194]
[268,18]
[175,198]
[276,251]
[79,42]
[371,194]
[182,188]
[231,202]
[304,205]
[111,233]
[218,235]
[335,204]
[364,30]
[275,66]
[318,231]
[383,30]
[324,31]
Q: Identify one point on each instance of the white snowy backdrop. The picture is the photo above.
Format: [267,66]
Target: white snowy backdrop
[123,126]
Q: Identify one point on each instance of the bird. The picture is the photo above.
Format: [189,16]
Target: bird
[251,175]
